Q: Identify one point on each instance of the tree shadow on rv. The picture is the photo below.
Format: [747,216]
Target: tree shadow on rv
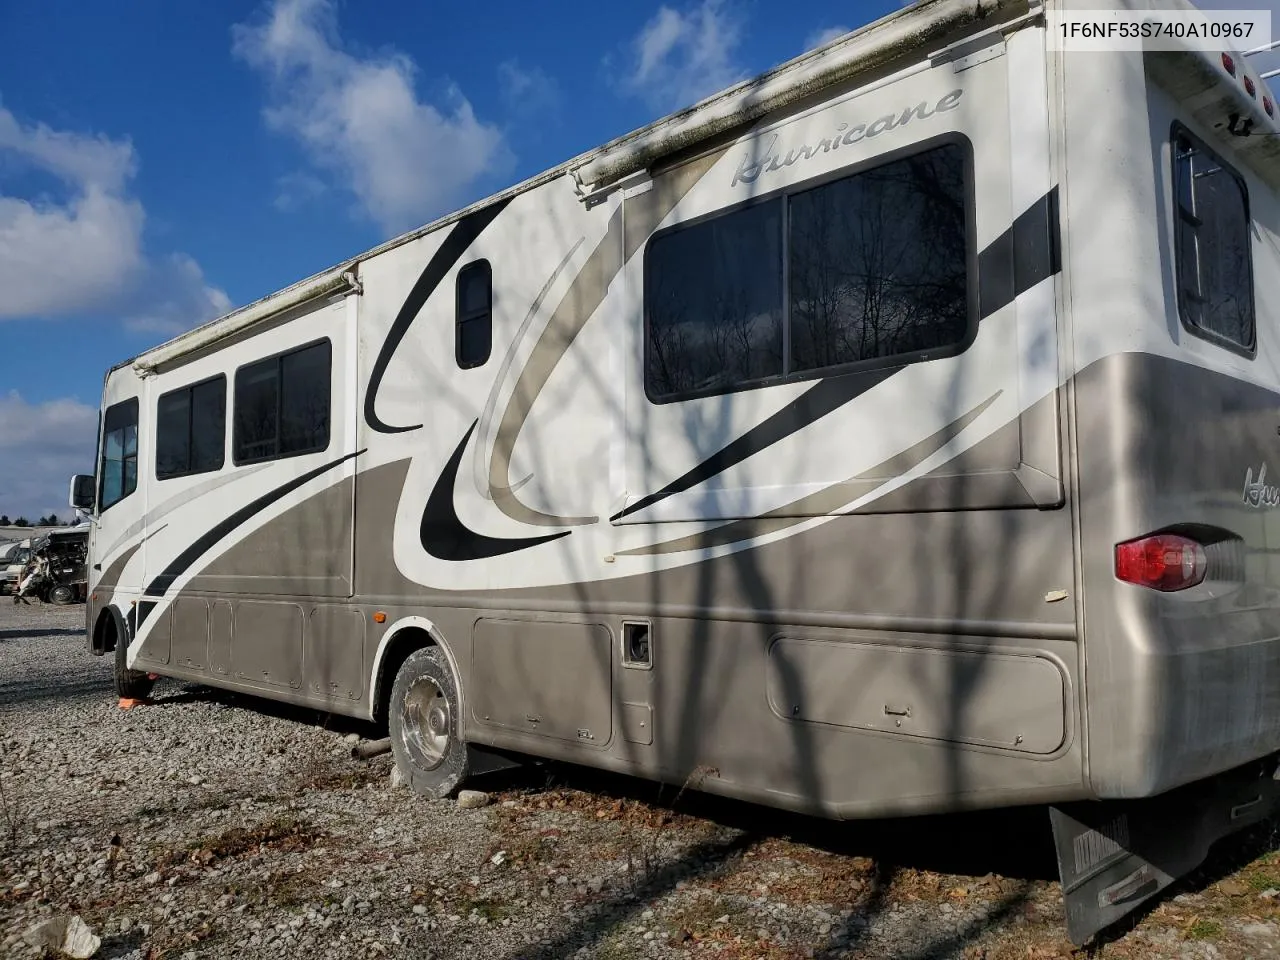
[893,570]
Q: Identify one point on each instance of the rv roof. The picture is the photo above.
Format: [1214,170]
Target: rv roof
[873,45]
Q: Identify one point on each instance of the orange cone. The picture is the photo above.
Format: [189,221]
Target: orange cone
[128,703]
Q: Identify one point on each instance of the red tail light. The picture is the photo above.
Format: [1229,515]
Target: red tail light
[1165,561]
[1249,88]
[1229,63]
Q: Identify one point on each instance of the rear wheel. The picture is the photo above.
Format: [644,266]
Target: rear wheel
[423,722]
[130,684]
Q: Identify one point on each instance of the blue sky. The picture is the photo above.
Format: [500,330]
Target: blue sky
[162,163]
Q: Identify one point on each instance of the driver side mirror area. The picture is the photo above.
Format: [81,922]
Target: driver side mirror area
[83,489]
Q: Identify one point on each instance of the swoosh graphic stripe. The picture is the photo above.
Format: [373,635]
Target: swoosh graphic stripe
[208,540]
[824,501]
[1021,257]
[460,237]
[490,489]
[111,576]
[444,535]
[629,227]
[181,499]
[816,402]
[1011,264]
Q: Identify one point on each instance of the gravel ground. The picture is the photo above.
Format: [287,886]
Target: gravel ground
[212,825]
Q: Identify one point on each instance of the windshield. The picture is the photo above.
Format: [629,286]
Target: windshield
[118,464]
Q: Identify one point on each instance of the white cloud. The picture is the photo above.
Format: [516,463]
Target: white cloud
[680,57]
[62,258]
[296,189]
[360,119]
[76,158]
[824,36]
[527,90]
[177,294]
[84,252]
[42,445]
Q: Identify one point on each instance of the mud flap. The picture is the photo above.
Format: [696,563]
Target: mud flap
[1114,855]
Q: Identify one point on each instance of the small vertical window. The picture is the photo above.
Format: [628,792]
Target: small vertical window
[191,425]
[118,465]
[473,326]
[1214,261]
[282,405]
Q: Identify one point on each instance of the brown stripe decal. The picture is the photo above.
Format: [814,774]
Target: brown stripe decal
[641,216]
[824,502]
[444,535]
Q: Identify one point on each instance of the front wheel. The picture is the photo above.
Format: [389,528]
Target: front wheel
[423,722]
[130,684]
[62,594]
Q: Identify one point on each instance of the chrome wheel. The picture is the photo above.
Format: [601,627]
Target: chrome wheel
[429,753]
[427,721]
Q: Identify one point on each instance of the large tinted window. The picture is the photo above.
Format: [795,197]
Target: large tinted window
[872,266]
[1215,273]
[191,427]
[879,263]
[118,464]
[714,296]
[282,405]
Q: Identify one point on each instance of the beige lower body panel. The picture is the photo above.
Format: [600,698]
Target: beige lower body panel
[837,722]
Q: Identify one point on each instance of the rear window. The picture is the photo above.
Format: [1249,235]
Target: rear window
[1214,262]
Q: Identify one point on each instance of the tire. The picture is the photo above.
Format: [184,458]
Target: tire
[130,684]
[62,594]
[422,719]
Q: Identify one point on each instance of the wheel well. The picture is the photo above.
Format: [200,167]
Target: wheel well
[104,632]
[406,641]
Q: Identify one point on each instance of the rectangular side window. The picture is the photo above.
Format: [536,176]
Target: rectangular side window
[879,263]
[714,298]
[118,464]
[1214,260]
[473,318]
[191,426]
[282,405]
[870,268]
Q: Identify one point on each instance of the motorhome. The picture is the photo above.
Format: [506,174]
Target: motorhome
[891,434]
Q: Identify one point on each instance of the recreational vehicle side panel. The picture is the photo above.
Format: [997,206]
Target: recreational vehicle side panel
[800,549]
[517,491]
[1176,423]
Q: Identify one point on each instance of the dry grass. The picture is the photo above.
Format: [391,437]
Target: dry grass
[278,835]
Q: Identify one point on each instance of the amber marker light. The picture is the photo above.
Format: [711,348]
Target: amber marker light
[379,617]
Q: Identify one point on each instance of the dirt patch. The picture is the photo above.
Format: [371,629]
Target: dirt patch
[279,835]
